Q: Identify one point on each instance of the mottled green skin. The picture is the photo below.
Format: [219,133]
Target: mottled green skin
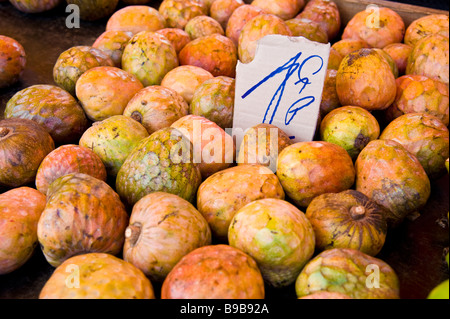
[72,63]
[113,42]
[94,9]
[214,100]
[83,214]
[161,162]
[149,56]
[394,178]
[113,139]
[52,107]
[345,271]
[423,135]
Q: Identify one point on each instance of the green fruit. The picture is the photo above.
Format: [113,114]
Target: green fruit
[440,291]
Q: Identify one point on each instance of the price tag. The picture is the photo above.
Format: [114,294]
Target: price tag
[282,86]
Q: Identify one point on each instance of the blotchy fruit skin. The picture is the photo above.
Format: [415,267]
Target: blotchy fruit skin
[261,145]
[201,26]
[53,108]
[309,169]
[105,91]
[389,60]
[344,270]
[330,99]
[163,228]
[238,19]
[156,107]
[221,10]
[149,56]
[255,29]
[430,57]
[391,176]
[307,28]
[83,214]
[334,60]
[399,53]
[423,27]
[277,235]
[285,9]
[135,19]
[326,295]
[68,159]
[20,209]
[214,272]
[346,46]
[215,53]
[113,139]
[113,43]
[423,135]
[34,6]
[13,60]
[324,12]
[23,145]
[378,33]
[350,127]
[420,94]
[91,10]
[199,131]
[214,99]
[177,13]
[103,276]
[73,62]
[365,79]
[179,38]
[348,219]
[222,194]
[161,162]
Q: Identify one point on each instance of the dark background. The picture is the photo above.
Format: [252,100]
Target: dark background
[436,4]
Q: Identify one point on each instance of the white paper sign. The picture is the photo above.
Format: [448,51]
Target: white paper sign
[282,86]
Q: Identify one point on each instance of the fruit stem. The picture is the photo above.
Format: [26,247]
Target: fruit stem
[3,131]
[132,233]
[357,212]
[136,116]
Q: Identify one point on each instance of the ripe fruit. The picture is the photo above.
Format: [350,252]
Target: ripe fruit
[135,19]
[285,9]
[163,228]
[330,98]
[103,276]
[177,13]
[324,12]
[277,235]
[399,52]
[425,26]
[20,209]
[309,29]
[214,272]
[179,38]
[238,19]
[23,146]
[346,46]
[113,42]
[201,26]
[34,6]
[83,214]
[221,10]
[12,61]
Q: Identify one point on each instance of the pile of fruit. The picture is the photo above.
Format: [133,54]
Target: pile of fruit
[125,175]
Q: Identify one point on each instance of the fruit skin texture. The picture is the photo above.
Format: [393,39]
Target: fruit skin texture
[378,33]
[179,38]
[365,79]
[277,235]
[334,60]
[201,26]
[73,62]
[149,56]
[424,136]
[222,194]
[350,127]
[324,12]
[83,214]
[199,131]
[420,94]
[156,107]
[23,145]
[113,43]
[284,9]
[103,276]
[346,46]
[156,164]
[391,176]
[345,271]
[389,60]
[330,99]
[163,228]
[348,219]
[68,159]
[309,169]
[215,53]
[221,10]
[214,99]
[430,58]
[20,209]
[308,29]
[238,19]
[135,19]
[425,26]
[399,53]
[255,29]
[105,91]
[53,108]
[92,10]
[196,276]
[177,13]
[13,60]
[35,6]
[113,139]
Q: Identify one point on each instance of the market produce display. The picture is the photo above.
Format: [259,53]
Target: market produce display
[125,169]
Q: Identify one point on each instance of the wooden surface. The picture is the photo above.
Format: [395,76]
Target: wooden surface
[415,250]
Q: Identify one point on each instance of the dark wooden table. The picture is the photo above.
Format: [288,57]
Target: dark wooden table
[415,250]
